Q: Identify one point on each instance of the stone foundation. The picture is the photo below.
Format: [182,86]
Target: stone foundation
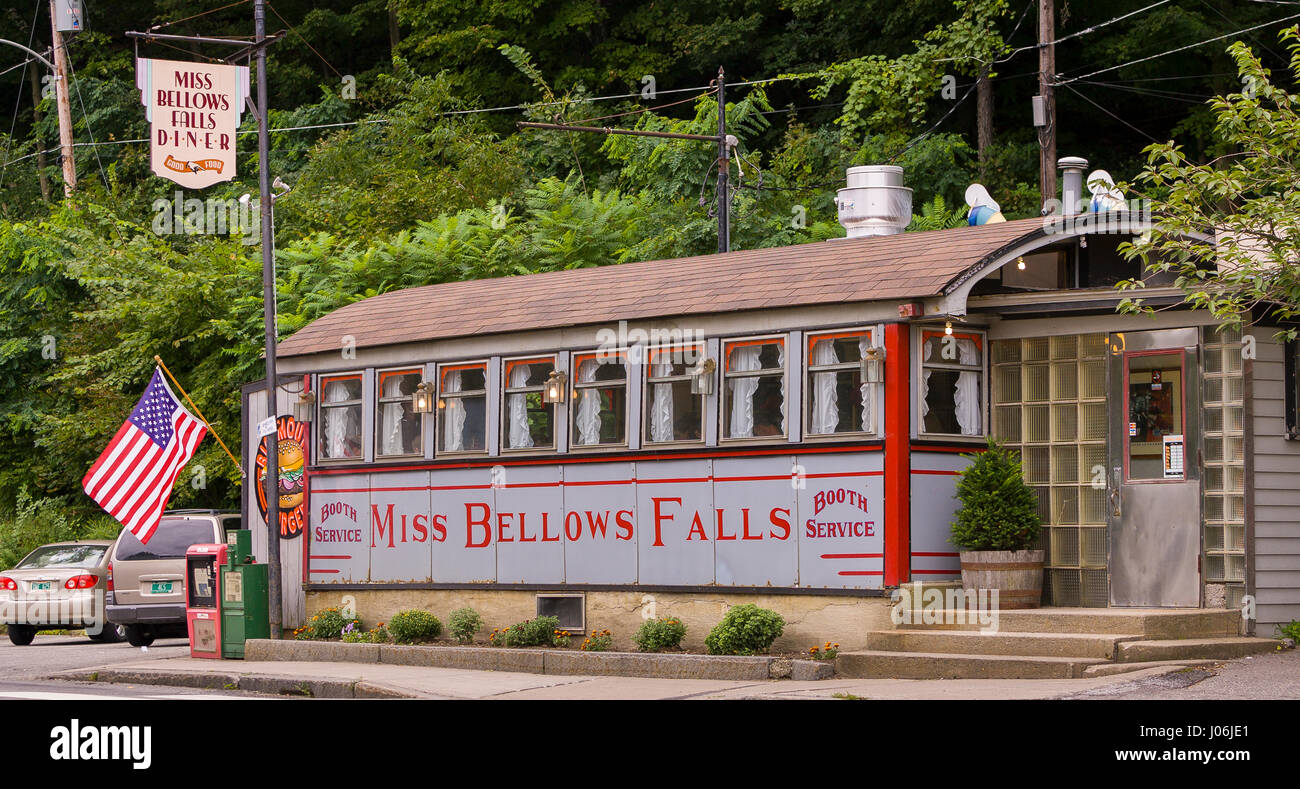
[811,620]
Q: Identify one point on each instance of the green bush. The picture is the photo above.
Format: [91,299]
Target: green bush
[1290,630]
[463,624]
[656,635]
[745,630]
[540,632]
[414,625]
[326,625]
[598,641]
[999,512]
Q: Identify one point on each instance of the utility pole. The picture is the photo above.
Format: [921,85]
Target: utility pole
[268,314]
[724,168]
[64,105]
[1046,78]
[984,119]
[41,164]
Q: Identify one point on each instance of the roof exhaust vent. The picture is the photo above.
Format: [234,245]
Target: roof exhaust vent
[1072,183]
[875,202]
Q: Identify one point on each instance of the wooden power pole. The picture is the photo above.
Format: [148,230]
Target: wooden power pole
[1046,78]
[65,106]
[984,119]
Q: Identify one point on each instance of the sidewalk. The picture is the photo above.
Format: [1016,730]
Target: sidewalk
[366,680]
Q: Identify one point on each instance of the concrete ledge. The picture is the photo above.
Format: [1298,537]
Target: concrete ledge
[1194,648]
[568,662]
[319,651]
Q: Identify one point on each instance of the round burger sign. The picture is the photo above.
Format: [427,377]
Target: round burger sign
[291,494]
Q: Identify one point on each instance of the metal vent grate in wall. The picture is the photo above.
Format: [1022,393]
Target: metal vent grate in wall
[570,609]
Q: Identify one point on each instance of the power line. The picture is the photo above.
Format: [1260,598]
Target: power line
[1179,49]
[9,141]
[1076,92]
[1085,31]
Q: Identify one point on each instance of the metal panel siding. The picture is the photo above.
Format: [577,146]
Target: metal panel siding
[1277,491]
[340,529]
[670,495]
[934,507]
[750,551]
[463,501]
[599,528]
[399,533]
[528,525]
[841,538]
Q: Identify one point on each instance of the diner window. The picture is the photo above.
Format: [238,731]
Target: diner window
[754,389]
[529,422]
[951,386]
[462,408]
[600,399]
[672,412]
[340,416]
[400,428]
[838,399]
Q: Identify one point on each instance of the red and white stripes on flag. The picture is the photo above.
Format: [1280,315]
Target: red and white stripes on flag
[132,479]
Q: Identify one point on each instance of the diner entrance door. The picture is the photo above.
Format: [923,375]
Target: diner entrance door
[1153,494]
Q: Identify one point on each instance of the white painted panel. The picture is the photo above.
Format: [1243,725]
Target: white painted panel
[754,504]
[674,500]
[600,523]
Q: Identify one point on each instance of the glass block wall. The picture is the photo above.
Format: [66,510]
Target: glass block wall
[1223,417]
[1049,402]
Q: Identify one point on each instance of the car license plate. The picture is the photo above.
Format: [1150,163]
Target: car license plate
[161,587]
[41,586]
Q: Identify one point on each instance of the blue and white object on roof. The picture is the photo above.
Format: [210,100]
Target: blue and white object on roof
[984,209]
[1105,196]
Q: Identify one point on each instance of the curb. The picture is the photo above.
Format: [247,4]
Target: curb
[256,683]
[545,661]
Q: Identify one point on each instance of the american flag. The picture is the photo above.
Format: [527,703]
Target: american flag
[132,480]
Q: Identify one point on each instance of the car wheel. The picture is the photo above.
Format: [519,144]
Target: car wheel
[138,635]
[109,634]
[22,635]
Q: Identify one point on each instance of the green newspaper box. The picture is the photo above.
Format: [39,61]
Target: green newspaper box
[245,613]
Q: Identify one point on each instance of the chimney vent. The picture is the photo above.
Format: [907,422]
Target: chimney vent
[1072,183]
[875,202]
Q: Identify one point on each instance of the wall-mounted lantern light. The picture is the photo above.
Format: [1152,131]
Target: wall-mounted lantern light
[553,392]
[305,409]
[422,398]
[873,366]
[702,377]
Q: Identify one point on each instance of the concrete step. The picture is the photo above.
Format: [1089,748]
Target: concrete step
[965,642]
[1194,648]
[1153,623]
[930,665]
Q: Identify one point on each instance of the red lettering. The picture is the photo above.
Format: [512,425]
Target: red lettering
[782,523]
[718,530]
[660,518]
[744,529]
[471,522]
[546,522]
[420,524]
[624,520]
[819,502]
[697,526]
[379,524]
[809,528]
[504,522]
[523,535]
[595,522]
[573,526]
[871,528]
[440,528]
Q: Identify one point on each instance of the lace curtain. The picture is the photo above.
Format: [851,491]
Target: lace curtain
[587,420]
[339,422]
[517,404]
[743,359]
[661,404]
[453,424]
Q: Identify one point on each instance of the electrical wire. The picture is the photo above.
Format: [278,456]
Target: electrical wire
[85,116]
[1076,92]
[196,16]
[304,40]
[1060,83]
[9,141]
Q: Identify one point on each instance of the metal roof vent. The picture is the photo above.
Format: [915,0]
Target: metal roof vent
[875,203]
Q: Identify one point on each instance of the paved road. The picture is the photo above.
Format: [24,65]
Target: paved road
[98,691]
[48,654]
[1275,676]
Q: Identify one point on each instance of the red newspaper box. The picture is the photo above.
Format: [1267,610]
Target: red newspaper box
[202,591]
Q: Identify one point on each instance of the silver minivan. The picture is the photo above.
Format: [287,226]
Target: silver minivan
[146,583]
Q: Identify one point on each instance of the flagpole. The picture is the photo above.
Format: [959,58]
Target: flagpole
[211,429]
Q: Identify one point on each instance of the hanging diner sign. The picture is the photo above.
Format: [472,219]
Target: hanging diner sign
[193,111]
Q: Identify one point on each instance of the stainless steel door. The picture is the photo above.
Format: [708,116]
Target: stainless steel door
[1153,479]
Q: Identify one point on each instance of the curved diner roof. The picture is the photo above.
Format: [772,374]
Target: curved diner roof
[875,268]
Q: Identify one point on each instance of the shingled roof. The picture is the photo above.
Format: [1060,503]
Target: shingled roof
[877,268]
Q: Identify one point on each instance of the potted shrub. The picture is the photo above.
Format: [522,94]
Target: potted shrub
[995,528]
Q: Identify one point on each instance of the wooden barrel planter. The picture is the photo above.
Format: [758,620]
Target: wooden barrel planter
[1017,575]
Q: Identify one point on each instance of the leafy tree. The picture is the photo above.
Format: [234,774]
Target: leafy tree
[1228,230]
